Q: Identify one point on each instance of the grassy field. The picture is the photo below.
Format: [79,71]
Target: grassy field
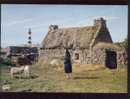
[48,78]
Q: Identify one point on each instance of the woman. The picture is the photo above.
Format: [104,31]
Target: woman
[67,64]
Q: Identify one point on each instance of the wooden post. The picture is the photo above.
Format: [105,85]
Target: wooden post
[90,54]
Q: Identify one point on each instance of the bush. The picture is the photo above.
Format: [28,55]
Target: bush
[124,44]
[5,61]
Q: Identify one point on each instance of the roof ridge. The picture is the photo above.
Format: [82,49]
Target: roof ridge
[76,27]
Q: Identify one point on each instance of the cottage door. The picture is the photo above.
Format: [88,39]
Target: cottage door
[111,61]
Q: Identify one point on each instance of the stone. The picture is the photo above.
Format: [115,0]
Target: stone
[6,87]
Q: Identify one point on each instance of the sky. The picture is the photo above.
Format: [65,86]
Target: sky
[17,19]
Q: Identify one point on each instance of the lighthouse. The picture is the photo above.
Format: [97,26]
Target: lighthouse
[29,37]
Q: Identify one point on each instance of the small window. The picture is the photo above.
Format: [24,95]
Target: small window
[76,56]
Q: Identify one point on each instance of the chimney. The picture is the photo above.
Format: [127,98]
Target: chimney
[53,27]
[100,22]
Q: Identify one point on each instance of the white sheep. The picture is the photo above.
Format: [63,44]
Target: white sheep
[22,69]
[16,70]
[27,70]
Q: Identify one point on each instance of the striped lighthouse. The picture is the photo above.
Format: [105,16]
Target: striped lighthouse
[29,37]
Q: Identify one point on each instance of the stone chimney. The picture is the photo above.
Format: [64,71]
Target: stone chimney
[100,22]
[53,27]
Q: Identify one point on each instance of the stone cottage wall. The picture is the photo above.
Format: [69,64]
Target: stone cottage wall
[98,55]
[49,54]
[122,58]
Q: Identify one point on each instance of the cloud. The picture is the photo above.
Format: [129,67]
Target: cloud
[47,21]
[21,21]
[14,22]
[35,26]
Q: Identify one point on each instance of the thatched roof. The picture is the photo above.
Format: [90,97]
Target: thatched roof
[73,37]
[70,37]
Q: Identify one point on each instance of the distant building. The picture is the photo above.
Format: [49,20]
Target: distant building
[3,52]
[14,52]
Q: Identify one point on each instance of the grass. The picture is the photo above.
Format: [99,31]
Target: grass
[48,78]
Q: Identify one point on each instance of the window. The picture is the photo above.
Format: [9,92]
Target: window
[76,56]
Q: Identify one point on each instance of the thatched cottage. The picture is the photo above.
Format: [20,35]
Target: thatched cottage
[87,45]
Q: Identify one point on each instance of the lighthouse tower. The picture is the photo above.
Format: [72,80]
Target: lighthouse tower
[29,37]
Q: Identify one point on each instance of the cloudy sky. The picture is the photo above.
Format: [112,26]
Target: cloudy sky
[17,19]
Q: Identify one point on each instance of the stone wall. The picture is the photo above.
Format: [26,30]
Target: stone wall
[98,55]
[122,58]
[49,54]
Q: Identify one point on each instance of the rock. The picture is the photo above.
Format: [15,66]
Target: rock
[6,87]
[55,62]
[26,90]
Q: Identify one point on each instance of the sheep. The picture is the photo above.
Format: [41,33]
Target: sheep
[23,69]
[22,65]
[27,70]
[16,70]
